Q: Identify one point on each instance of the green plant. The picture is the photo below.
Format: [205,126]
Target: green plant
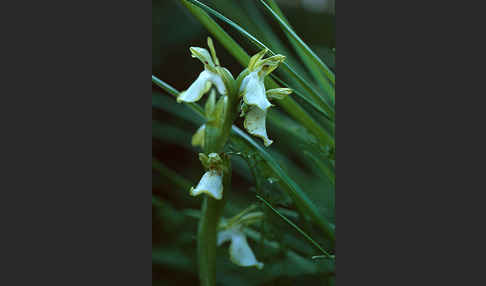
[289,210]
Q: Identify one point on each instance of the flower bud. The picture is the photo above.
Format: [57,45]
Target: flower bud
[198,137]
[278,93]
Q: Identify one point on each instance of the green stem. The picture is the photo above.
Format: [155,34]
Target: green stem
[207,232]
[216,135]
[206,241]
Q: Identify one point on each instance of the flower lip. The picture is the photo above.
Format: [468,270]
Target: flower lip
[241,253]
[253,89]
[201,86]
[232,230]
[255,124]
[211,184]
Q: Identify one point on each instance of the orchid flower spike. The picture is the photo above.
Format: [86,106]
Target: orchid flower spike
[255,97]
[232,230]
[211,75]
[211,182]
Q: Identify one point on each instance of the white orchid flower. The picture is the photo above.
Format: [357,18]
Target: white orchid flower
[252,89]
[232,230]
[211,75]
[255,118]
[239,250]
[211,182]
[205,80]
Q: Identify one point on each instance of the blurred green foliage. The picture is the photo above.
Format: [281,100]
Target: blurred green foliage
[287,254]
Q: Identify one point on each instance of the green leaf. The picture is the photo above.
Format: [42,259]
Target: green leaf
[295,227]
[309,62]
[302,44]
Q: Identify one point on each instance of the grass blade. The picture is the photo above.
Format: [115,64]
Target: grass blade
[312,66]
[295,226]
[329,74]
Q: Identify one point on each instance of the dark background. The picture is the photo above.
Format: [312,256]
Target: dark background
[76,138]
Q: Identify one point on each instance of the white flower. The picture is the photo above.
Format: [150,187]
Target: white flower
[239,250]
[232,230]
[252,89]
[201,86]
[211,184]
[206,78]
[256,118]
[255,124]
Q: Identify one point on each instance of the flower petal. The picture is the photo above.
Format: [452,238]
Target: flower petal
[211,184]
[255,124]
[241,253]
[253,91]
[225,235]
[202,54]
[270,64]
[202,85]
[218,82]
[252,64]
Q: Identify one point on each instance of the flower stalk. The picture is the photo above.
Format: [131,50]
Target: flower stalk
[212,137]
[226,95]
